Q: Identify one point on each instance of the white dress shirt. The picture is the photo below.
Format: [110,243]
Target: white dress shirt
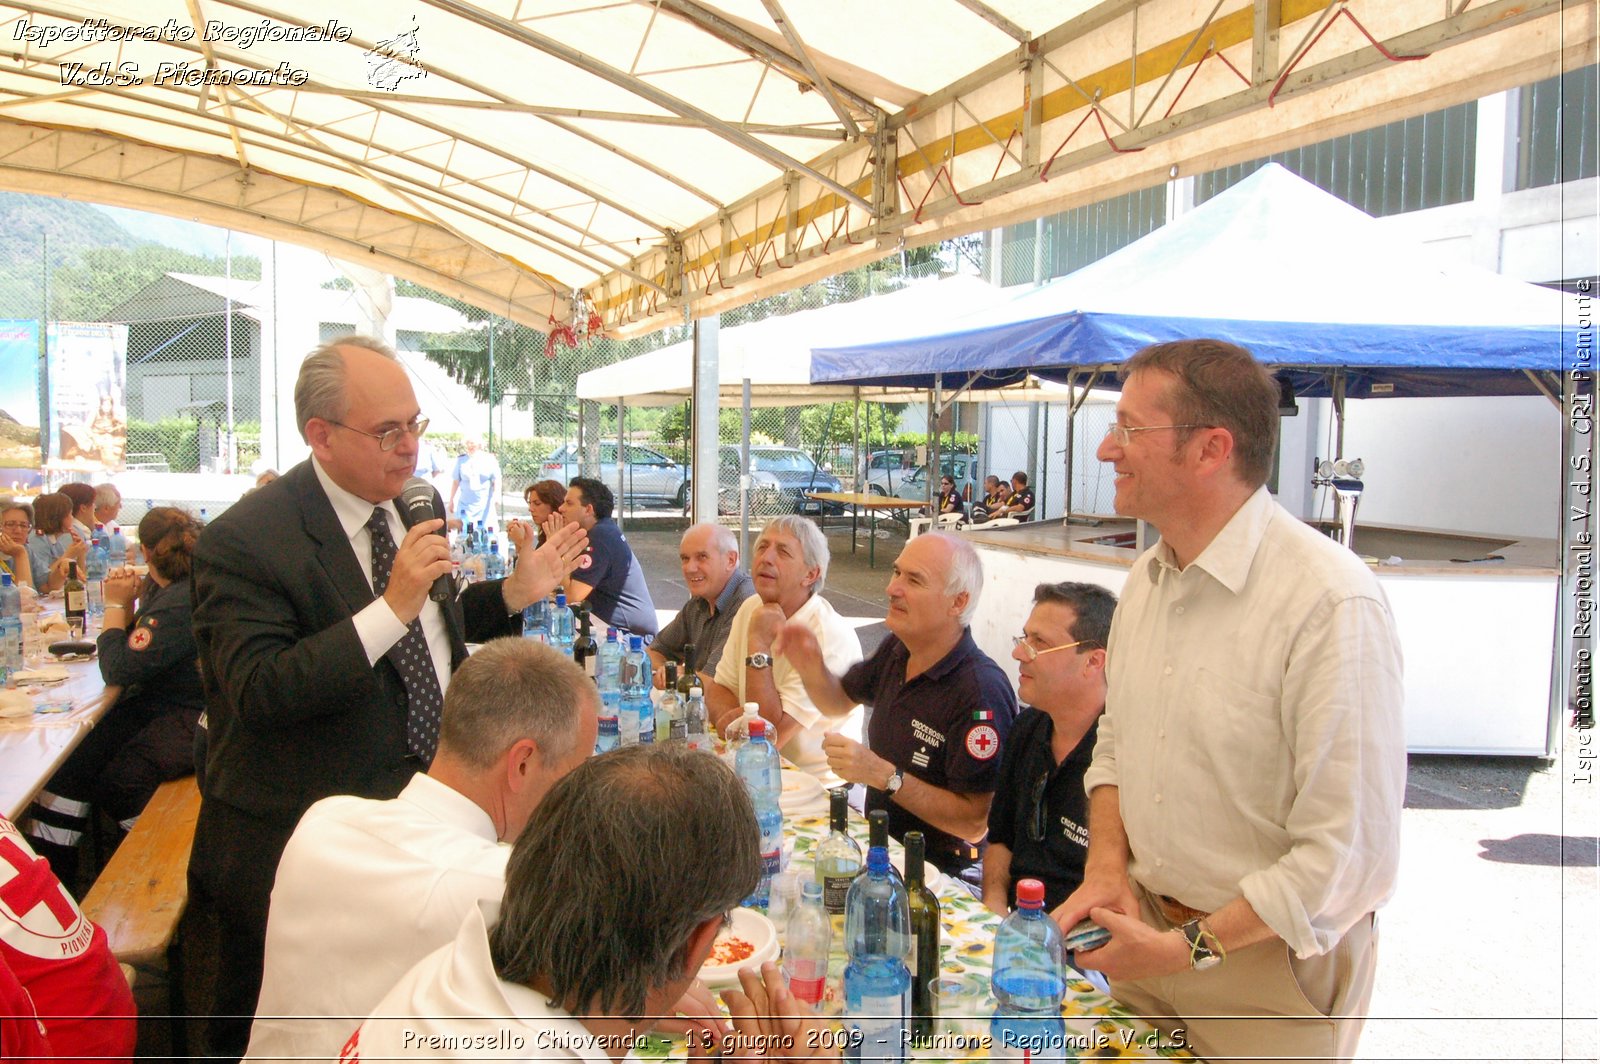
[377,624]
[365,890]
[841,648]
[452,1006]
[1253,725]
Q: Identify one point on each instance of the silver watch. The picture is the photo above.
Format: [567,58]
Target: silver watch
[895,782]
[759,661]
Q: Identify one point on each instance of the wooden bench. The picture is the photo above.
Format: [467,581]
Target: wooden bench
[143,890]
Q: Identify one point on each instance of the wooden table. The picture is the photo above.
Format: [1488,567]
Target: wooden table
[32,748]
[872,504]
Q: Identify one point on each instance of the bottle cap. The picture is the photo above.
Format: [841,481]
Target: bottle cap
[758,728]
[1030,894]
[752,709]
[611,635]
[635,642]
[811,890]
[696,692]
[878,859]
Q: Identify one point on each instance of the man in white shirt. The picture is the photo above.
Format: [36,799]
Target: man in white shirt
[1245,794]
[367,888]
[614,897]
[789,567]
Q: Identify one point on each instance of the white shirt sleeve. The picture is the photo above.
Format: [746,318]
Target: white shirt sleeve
[378,628]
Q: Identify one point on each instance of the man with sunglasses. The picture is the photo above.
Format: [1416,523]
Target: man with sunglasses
[1247,783]
[324,656]
[1039,822]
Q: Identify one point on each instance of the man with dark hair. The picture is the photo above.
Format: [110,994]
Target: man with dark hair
[1245,794]
[1039,822]
[1019,503]
[594,941]
[517,718]
[995,494]
[608,576]
[324,657]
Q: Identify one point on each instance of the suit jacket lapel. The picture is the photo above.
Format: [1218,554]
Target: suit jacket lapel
[334,553]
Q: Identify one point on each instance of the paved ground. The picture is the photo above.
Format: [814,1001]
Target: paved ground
[1486,945]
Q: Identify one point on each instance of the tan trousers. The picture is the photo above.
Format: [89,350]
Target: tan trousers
[1263,1003]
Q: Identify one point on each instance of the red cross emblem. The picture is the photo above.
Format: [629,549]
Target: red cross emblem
[37,916]
[983,742]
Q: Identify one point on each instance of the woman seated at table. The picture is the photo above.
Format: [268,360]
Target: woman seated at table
[147,659]
[544,497]
[16,523]
[53,543]
[950,501]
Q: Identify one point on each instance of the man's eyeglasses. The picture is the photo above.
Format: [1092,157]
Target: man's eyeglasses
[1033,653]
[1123,434]
[388,441]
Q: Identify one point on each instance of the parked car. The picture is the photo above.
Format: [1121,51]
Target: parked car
[886,477]
[649,477]
[780,480]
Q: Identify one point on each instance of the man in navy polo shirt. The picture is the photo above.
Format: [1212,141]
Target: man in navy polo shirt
[941,708]
[607,576]
[1039,823]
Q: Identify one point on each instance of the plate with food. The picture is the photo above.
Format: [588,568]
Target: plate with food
[745,941]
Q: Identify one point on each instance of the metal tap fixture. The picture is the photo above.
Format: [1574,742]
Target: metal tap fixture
[1344,476]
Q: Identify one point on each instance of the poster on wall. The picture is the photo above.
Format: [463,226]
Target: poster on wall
[19,405]
[88,421]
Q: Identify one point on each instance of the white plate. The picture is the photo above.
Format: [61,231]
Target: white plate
[749,926]
[801,793]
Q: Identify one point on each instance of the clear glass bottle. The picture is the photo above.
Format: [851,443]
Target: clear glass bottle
[838,859]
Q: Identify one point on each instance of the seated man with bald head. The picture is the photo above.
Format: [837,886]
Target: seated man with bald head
[717,587]
[518,716]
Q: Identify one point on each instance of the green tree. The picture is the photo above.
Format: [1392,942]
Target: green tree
[104,278]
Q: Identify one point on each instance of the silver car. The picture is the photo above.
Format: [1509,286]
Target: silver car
[649,477]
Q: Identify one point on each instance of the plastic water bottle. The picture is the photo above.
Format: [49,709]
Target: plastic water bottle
[805,949]
[638,713]
[118,548]
[757,765]
[561,625]
[669,710]
[739,730]
[95,561]
[695,732]
[494,567]
[536,621]
[877,983]
[607,736]
[608,678]
[1029,982]
[10,629]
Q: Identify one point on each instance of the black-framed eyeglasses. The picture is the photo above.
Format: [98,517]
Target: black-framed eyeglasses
[1038,822]
[388,441]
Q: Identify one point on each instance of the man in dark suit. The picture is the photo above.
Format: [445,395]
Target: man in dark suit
[324,658]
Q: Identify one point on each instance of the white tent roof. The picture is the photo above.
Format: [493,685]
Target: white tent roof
[774,354]
[659,154]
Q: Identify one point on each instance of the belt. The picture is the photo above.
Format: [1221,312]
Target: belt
[1175,911]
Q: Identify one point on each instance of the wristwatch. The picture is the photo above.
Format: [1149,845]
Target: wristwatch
[759,661]
[1201,955]
[895,782]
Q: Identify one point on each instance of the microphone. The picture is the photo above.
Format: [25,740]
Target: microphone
[416,506]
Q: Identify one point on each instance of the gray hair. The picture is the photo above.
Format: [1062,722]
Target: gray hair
[813,544]
[721,538]
[966,573]
[107,495]
[514,689]
[319,390]
[623,859]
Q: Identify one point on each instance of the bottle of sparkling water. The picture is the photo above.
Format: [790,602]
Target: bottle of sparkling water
[10,629]
[1028,981]
[638,712]
[877,983]
[757,765]
[739,730]
[494,566]
[536,621]
[561,635]
[608,678]
[95,561]
[695,731]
